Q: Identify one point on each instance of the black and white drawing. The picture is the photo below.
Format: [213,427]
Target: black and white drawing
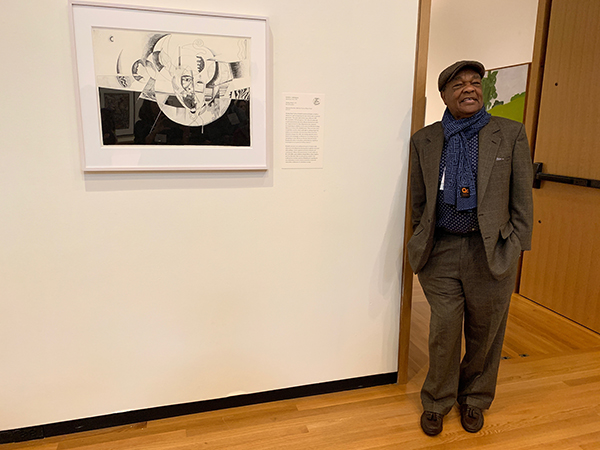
[170,90]
[189,89]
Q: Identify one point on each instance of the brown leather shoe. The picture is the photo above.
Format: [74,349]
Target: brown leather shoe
[471,418]
[432,423]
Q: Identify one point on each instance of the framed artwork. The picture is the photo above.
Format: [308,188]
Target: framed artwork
[504,91]
[169,90]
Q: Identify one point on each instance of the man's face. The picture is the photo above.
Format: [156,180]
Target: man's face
[463,95]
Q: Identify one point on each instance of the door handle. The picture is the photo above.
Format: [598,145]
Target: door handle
[539,176]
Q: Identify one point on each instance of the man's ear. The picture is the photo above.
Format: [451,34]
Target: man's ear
[443,94]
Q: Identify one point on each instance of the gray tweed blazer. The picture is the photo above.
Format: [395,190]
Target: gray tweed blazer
[504,196]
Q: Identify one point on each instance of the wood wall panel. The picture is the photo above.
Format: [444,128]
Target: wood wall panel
[562,271]
[569,119]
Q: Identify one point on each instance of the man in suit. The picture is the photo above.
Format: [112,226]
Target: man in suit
[472,215]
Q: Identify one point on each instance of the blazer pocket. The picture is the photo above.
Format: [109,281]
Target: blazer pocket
[418,230]
[506,230]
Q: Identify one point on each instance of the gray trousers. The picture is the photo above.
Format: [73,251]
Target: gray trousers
[461,292]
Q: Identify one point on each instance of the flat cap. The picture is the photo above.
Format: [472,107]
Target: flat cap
[449,72]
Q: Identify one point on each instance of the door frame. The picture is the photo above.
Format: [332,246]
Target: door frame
[532,107]
[417,122]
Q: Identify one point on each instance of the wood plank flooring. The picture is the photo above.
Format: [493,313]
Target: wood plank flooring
[549,399]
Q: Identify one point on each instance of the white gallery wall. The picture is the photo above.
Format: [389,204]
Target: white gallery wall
[129,291]
[498,33]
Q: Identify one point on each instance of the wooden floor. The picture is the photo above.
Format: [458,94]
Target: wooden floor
[548,398]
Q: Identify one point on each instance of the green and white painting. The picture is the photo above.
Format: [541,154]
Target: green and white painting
[504,91]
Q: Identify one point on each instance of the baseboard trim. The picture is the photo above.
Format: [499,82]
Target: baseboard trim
[164,412]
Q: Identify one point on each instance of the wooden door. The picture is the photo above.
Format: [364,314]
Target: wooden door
[562,271]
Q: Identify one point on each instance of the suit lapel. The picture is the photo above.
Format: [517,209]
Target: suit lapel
[489,142]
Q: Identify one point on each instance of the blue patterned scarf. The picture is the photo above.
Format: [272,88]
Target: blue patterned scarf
[459,174]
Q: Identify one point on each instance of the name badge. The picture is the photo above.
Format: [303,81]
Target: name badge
[443,178]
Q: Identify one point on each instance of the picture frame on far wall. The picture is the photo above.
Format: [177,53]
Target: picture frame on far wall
[504,91]
[169,90]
